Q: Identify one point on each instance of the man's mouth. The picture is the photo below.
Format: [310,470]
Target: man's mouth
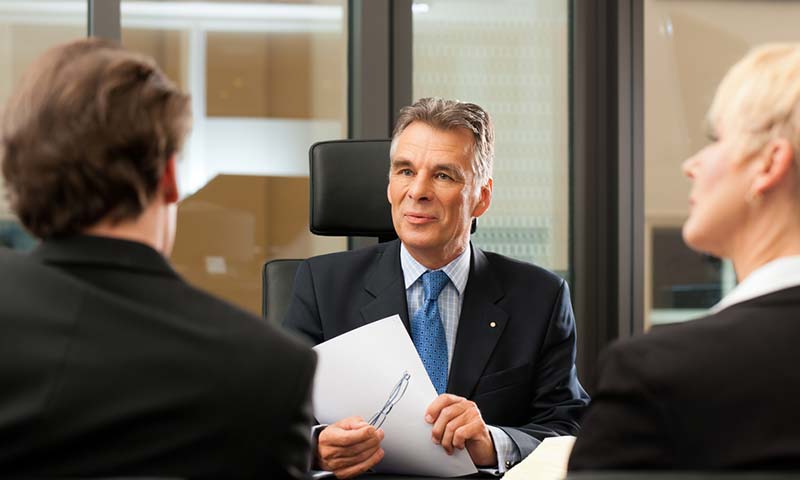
[419,218]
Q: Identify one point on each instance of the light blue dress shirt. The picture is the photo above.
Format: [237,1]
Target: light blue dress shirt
[450,301]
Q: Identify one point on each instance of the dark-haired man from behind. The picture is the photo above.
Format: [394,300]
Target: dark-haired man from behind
[110,364]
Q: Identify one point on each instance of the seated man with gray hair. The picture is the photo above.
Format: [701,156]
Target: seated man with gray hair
[496,335]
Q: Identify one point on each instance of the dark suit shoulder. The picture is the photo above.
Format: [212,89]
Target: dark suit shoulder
[258,380]
[767,311]
[522,268]
[517,276]
[339,275]
[244,328]
[721,346]
[659,357]
[348,260]
[190,385]
[675,397]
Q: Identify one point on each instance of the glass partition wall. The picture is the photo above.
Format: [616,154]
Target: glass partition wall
[27,29]
[511,57]
[267,80]
[688,48]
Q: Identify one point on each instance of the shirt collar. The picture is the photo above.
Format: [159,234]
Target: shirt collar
[776,275]
[457,270]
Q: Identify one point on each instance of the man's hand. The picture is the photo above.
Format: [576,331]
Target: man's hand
[457,423]
[349,447]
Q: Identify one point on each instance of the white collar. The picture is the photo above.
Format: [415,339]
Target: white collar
[457,270]
[776,275]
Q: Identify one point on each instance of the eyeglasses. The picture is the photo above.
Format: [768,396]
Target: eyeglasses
[397,393]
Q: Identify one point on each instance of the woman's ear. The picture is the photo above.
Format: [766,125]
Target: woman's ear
[773,167]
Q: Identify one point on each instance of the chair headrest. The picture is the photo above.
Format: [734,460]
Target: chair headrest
[348,188]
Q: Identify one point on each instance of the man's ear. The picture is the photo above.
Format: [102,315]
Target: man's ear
[773,167]
[484,200]
[169,181]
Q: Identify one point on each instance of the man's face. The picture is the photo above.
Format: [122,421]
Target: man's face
[433,193]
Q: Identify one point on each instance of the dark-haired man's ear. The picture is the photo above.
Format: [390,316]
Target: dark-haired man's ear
[169,181]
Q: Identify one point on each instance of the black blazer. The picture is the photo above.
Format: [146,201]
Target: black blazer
[521,372]
[715,393]
[112,365]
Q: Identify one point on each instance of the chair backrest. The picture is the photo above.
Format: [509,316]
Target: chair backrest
[277,283]
[348,189]
[348,198]
[348,180]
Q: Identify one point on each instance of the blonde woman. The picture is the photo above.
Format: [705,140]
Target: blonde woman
[722,392]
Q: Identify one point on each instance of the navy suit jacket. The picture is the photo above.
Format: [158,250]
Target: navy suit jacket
[520,372]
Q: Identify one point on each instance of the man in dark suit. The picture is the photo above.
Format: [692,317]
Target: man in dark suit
[497,336]
[110,363]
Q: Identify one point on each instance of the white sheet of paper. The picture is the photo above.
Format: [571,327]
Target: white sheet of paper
[547,462]
[356,373]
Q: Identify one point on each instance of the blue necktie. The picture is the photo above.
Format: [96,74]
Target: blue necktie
[427,330]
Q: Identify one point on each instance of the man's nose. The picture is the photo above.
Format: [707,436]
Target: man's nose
[420,188]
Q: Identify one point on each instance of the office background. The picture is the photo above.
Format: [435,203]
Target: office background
[596,104]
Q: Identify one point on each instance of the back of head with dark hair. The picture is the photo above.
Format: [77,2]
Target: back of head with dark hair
[86,137]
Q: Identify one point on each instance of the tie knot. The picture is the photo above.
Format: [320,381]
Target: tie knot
[433,283]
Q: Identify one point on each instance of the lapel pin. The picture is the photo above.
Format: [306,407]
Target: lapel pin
[492,324]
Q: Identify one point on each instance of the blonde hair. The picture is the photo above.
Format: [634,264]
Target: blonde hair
[759,99]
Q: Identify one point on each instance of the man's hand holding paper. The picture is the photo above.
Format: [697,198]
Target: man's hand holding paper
[457,424]
[349,447]
[346,386]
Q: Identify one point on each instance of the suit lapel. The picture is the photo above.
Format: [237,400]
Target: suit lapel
[476,337]
[385,283]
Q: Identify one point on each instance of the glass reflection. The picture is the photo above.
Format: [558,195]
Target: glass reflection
[27,29]
[688,47]
[267,80]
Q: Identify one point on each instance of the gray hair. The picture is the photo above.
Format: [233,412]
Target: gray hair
[451,114]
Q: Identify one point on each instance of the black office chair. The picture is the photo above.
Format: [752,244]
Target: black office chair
[277,280]
[348,198]
[348,189]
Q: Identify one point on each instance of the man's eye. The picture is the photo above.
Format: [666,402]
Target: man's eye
[405,171]
[443,176]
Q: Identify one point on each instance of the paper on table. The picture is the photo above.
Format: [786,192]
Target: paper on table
[547,462]
[357,371]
